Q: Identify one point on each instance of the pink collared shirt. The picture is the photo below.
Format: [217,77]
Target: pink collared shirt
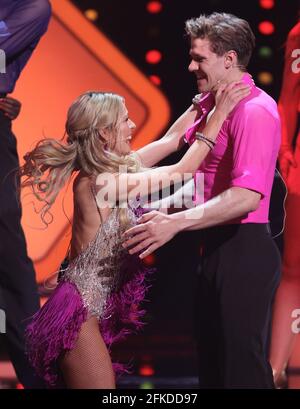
[246,150]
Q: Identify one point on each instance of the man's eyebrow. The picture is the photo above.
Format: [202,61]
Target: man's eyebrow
[196,56]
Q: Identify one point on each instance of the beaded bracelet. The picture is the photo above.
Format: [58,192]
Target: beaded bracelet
[203,138]
[206,143]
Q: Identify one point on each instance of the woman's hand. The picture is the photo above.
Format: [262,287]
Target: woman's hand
[229,95]
[10,106]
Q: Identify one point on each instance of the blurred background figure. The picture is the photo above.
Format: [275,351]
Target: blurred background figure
[288,294]
[22,23]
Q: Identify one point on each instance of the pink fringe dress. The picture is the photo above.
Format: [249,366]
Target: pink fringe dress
[102,281]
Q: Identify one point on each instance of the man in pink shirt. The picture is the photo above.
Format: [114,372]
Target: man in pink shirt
[236,159]
[241,264]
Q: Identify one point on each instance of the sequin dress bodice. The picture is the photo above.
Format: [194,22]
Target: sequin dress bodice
[96,271]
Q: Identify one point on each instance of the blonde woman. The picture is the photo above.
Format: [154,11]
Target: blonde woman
[97,300]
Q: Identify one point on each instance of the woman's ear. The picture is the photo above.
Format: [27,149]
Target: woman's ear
[105,136]
[108,137]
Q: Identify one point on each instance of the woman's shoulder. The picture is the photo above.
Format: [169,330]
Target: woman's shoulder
[82,181]
[82,191]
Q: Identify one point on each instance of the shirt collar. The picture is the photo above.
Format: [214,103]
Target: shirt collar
[247,79]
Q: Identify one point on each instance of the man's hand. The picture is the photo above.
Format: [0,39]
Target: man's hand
[10,106]
[154,230]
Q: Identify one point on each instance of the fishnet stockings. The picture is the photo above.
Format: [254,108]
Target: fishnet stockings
[88,365]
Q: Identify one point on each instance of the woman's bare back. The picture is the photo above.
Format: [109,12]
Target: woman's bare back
[87,216]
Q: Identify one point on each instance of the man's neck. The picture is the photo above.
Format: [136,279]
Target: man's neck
[234,75]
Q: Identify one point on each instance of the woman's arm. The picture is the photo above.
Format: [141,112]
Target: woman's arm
[181,199]
[170,142]
[129,185]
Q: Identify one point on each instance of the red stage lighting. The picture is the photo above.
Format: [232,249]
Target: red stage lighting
[266,27]
[153,56]
[154,7]
[267,4]
[146,370]
[149,260]
[155,79]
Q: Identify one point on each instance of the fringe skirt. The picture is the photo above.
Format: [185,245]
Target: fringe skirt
[54,329]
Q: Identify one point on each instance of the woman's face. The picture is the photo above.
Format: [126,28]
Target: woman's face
[124,136]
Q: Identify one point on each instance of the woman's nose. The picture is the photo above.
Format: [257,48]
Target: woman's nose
[131,124]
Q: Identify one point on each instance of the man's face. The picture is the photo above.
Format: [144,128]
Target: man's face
[208,67]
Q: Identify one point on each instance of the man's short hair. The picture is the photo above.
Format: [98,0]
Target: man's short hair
[225,32]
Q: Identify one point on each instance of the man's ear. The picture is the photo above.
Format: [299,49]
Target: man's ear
[230,59]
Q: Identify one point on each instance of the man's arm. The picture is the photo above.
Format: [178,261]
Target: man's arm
[229,205]
[26,23]
[158,228]
[170,142]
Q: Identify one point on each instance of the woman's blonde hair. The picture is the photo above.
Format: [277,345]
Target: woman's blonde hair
[51,163]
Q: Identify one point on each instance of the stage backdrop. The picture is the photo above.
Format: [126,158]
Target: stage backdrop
[73,57]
